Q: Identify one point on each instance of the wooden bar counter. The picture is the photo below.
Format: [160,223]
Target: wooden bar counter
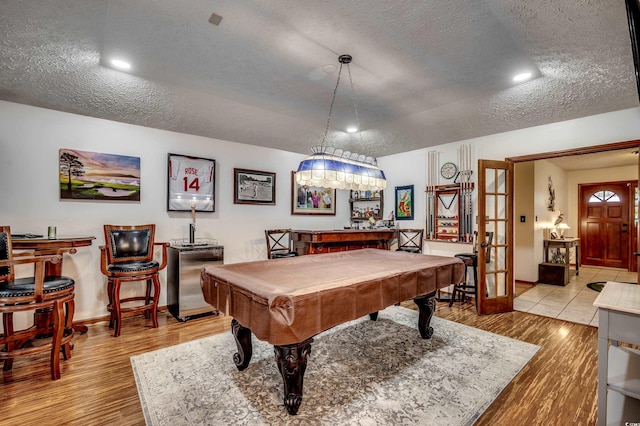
[317,242]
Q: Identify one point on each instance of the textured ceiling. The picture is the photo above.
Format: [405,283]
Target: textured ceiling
[424,72]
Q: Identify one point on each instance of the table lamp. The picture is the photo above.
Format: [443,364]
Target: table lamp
[562,227]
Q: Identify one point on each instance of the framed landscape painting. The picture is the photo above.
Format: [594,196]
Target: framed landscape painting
[254,187]
[312,199]
[404,202]
[88,175]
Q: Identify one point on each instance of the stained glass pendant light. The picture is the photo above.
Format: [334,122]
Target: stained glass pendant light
[329,167]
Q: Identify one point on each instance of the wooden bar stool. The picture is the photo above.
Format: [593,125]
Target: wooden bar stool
[470,260]
[38,292]
[127,256]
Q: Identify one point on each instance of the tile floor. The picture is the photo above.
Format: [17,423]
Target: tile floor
[573,302]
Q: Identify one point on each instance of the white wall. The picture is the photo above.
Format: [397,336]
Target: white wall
[545,218]
[29,142]
[523,199]
[31,137]
[601,129]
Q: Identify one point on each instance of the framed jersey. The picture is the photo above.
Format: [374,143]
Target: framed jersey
[191,183]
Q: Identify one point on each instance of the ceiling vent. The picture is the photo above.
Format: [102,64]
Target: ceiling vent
[215,19]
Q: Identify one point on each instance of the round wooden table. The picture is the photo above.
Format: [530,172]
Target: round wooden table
[43,245]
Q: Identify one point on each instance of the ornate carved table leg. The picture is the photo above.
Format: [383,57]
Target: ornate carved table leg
[243,342]
[292,362]
[427,306]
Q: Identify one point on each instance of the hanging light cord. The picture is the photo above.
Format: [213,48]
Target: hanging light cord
[355,109]
[335,90]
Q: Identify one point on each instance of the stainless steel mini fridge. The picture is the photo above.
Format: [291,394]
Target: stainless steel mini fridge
[184,295]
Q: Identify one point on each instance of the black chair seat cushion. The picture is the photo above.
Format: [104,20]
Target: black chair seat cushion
[275,254]
[469,259]
[410,250]
[26,287]
[132,267]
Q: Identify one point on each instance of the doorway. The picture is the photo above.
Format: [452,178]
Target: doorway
[601,156]
[605,229]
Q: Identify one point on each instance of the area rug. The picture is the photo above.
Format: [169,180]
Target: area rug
[362,372]
[597,286]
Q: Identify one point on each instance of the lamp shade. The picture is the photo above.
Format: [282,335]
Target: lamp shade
[327,170]
[329,167]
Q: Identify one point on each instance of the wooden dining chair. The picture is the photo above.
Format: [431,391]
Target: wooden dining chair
[279,243]
[410,240]
[31,293]
[128,256]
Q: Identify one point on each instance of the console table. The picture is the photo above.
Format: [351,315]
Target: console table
[316,242]
[618,367]
[567,244]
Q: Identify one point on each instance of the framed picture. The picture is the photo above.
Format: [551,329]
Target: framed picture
[404,202]
[254,187]
[312,199]
[97,176]
[190,183]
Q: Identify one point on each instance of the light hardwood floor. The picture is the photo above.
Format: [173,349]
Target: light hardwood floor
[97,387]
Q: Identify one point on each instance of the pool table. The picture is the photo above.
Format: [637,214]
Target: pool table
[288,301]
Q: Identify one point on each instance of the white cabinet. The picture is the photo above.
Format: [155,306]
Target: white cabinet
[618,366]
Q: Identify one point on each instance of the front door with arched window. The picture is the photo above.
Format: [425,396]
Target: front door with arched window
[605,229]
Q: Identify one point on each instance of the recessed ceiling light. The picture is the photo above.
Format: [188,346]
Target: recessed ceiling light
[352,129]
[120,64]
[523,76]
[329,69]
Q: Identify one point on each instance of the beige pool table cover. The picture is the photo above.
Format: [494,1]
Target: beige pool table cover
[286,301]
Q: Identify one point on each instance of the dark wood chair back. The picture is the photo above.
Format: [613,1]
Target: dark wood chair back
[279,243]
[410,240]
[129,243]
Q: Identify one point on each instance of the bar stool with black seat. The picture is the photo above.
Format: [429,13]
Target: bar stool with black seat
[470,260]
[39,292]
[128,256]
[279,243]
[410,240]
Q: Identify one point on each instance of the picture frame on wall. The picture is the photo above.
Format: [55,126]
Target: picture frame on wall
[85,175]
[190,183]
[311,200]
[404,202]
[254,187]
